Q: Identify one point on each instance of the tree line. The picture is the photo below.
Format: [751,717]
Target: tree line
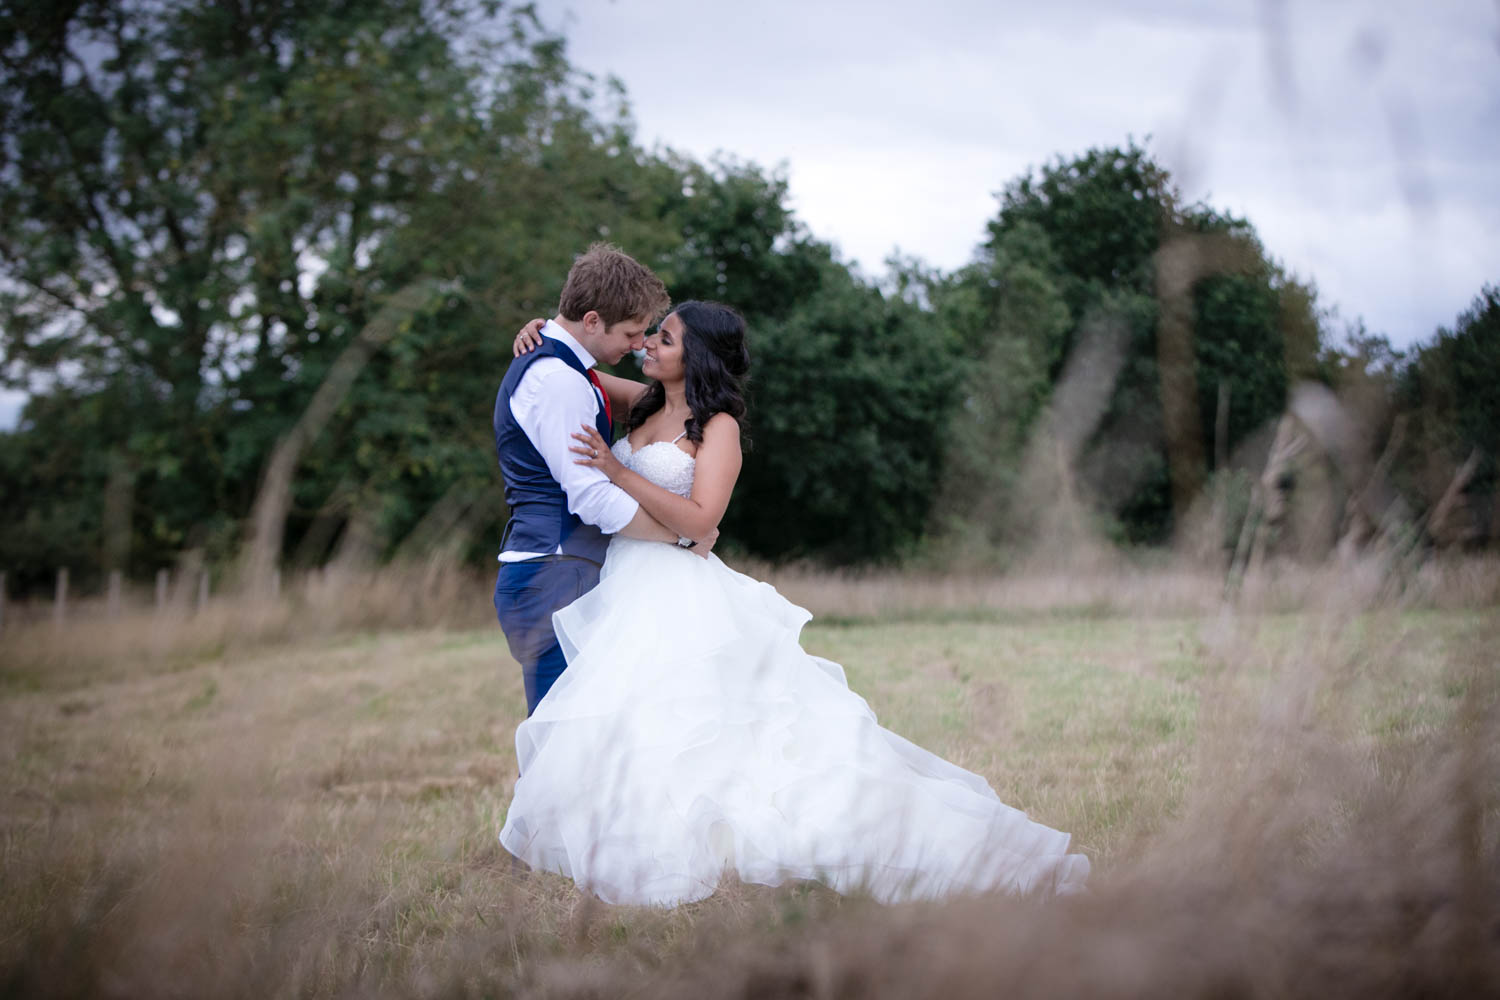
[209,213]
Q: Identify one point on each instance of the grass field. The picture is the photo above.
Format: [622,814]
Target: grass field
[1268,800]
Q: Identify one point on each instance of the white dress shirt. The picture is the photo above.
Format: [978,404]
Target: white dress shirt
[549,403]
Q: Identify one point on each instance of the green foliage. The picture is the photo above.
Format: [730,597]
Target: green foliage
[1011,322]
[850,397]
[850,387]
[1449,392]
[1103,214]
[1081,242]
[202,207]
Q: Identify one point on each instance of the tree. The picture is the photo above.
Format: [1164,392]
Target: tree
[1195,299]
[201,207]
[1449,392]
[1009,323]
[849,388]
[208,214]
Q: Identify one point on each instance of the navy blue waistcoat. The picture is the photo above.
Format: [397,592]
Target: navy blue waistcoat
[539,516]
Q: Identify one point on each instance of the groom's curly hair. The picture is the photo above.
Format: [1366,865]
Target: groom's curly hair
[716,365]
[613,284]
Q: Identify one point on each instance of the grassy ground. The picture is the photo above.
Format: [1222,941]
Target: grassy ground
[316,815]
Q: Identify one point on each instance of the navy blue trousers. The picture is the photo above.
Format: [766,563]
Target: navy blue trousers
[526,595]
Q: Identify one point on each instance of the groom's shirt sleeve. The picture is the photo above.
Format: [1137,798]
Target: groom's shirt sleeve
[551,403]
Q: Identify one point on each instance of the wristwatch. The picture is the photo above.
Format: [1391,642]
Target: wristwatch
[686,543]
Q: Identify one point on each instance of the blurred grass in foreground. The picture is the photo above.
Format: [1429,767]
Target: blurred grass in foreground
[1296,796]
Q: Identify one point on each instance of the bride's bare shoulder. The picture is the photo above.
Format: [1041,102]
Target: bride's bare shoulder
[721,424]
[721,438]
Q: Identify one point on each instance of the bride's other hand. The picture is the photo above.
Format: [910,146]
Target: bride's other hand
[529,339]
[705,546]
[595,452]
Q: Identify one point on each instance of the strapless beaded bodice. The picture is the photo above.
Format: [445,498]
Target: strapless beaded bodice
[662,462]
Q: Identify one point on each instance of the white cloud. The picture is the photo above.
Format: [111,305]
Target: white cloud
[1360,141]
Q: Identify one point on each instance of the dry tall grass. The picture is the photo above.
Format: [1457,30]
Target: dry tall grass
[1112,585]
[305,802]
[413,595]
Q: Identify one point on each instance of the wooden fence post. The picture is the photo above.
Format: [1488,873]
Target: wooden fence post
[161,590]
[114,593]
[276,583]
[202,590]
[60,598]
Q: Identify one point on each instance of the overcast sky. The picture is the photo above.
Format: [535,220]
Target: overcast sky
[1361,139]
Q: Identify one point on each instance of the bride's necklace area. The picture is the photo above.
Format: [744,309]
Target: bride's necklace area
[651,432]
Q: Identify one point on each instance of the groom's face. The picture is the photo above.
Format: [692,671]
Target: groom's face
[611,343]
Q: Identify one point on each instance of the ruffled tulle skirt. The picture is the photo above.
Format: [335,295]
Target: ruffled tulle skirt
[691,735]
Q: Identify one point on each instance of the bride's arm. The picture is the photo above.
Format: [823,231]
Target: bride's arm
[716,469]
[622,392]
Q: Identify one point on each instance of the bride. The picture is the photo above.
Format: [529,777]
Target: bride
[691,735]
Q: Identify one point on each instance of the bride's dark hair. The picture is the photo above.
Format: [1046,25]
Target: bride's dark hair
[715,364]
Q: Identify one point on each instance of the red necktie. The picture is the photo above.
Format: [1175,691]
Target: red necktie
[594,378]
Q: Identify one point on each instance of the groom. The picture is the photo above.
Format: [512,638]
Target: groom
[562,514]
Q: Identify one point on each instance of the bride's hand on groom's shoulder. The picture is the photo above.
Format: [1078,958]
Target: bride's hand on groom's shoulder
[594,452]
[529,338]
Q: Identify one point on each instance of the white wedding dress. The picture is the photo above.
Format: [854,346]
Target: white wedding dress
[691,735]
